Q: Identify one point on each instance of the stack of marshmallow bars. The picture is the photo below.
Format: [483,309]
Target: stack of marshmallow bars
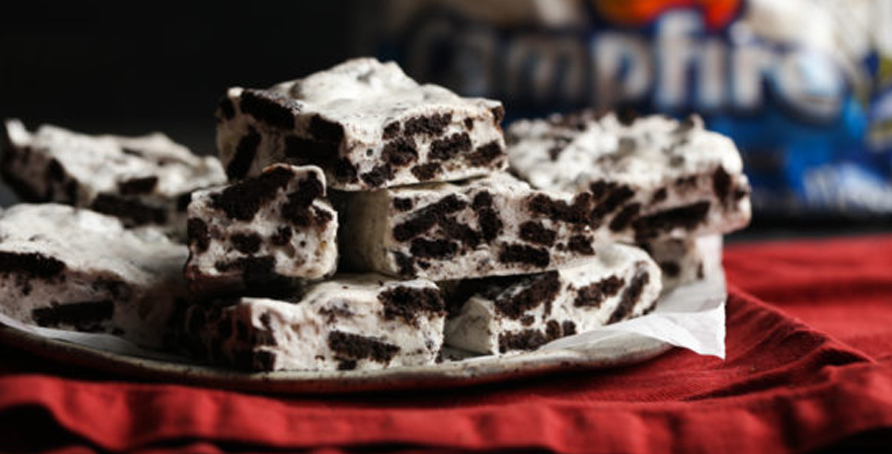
[359,220]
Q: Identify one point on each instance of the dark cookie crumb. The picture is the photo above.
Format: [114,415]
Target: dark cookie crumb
[54,171]
[321,217]
[183,201]
[409,303]
[625,217]
[568,328]
[405,263]
[659,196]
[626,115]
[594,294]
[671,269]
[197,232]
[345,171]
[518,253]
[242,200]
[84,316]
[425,172]
[581,244]
[134,211]
[630,297]
[599,189]
[132,152]
[297,209]
[226,108]
[401,204]
[439,249]
[326,131]
[33,264]
[611,199]
[489,222]
[269,107]
[552,330]
[245,151]
[246,243]
[71,190]
[264,264]
[721,184]
[356,347]
[498,114]
[257,270]
[432,125]
[687,217]
[391,130]
[427,217]
[485,154]
[304,151]
[400,151]
[282,236]
[461,232]
[535,232]
[447,148]
[530,339]
[346,364]
[576,212]
[540,289]
[133,186]
[378,175]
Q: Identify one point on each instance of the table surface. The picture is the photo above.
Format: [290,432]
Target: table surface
[808,368]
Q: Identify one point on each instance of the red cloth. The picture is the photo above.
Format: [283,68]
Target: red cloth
[809,364]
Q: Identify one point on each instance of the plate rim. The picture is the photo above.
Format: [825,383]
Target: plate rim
[453,374]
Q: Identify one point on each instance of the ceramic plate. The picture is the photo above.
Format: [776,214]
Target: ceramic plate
[692,316]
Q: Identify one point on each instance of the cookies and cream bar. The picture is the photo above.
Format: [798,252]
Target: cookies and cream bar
[261,233]
[70,268]
[495,225]
[350,322]
[366,124]
[519,313]
[142,180]
[649,179]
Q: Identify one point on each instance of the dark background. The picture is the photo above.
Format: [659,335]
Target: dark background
[130,70]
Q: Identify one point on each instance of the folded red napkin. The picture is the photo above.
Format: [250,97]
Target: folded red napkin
[809,364]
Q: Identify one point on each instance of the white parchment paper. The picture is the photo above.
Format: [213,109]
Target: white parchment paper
[691,317]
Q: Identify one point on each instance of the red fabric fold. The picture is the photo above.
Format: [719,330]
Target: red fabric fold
[809,363]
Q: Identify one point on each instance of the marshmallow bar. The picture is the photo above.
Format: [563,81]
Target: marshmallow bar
[649,179]
[142,180]
[262,233]
[366,124]
[521,313]
[351,322]
[68,268]
[495,225]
